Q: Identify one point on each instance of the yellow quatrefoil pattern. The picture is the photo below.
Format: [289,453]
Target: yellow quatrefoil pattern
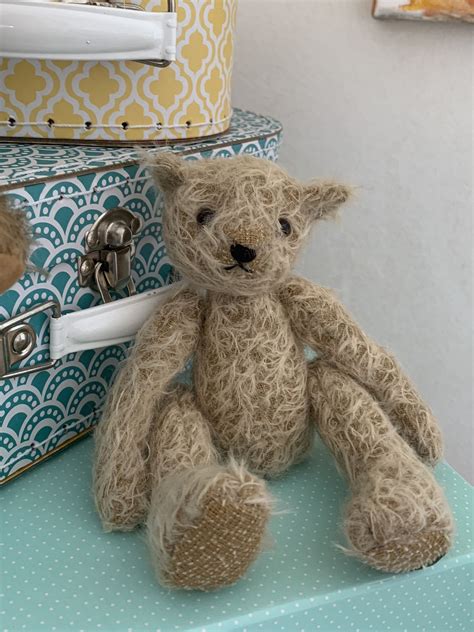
[129,101]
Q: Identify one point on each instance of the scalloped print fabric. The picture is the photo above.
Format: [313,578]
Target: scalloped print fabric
[42,411]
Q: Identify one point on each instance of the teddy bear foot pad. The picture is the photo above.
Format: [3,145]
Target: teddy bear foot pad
[216,547]
[423,550]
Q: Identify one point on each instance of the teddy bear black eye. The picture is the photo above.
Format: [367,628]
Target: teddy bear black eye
[204,216]
[285,226]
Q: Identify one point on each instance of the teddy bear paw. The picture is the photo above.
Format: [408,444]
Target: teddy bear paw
[211,543]
[12,268]
[402,523]
[218,549]
[429,446]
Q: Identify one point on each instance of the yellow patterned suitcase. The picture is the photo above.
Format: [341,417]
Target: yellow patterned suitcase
[106,101]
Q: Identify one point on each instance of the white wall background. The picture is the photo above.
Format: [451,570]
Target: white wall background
[386,106]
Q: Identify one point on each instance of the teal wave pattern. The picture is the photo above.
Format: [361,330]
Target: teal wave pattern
[41,411]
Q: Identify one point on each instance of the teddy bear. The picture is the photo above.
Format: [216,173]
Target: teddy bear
[191,462]
[14,244]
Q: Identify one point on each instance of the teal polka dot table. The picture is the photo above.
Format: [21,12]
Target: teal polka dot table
[61,572]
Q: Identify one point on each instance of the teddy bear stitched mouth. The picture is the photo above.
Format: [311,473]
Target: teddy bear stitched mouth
[239,265]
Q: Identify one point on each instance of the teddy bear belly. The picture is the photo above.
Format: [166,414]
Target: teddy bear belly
[258,412]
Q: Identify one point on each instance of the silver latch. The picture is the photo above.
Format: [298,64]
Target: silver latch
[106,264]
[18,340]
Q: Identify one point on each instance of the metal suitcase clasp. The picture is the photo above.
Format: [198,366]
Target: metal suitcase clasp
[18,340]
[106,264]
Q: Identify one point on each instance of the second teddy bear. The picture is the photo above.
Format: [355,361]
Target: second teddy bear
[14,244]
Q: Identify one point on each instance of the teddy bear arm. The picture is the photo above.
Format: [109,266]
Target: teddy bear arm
[162,348]
[321,322]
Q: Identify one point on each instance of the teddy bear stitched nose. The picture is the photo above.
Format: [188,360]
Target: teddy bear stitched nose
[242,254]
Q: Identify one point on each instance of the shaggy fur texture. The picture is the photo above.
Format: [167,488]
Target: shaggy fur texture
[122,474]
[252,389]
[321,322]
[188,461]
[14,244]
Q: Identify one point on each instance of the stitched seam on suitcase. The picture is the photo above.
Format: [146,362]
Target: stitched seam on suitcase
[201,148]
[126,180]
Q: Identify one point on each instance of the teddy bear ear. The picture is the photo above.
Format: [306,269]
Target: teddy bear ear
[323,199]
[168,170]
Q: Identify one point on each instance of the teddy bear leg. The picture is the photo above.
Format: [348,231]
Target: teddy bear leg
[207,520]
[398,518]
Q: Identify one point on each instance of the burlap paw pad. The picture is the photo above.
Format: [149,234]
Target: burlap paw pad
[399,520]
[409,554]
[218,549]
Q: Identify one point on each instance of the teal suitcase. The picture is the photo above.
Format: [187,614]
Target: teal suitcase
[52,386]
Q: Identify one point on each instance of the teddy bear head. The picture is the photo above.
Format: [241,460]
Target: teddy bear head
[236,225]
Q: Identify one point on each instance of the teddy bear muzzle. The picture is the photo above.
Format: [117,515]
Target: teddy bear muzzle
[243,244]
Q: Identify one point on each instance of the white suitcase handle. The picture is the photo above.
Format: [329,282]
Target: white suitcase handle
[105,325]
[41,29]
[101,326]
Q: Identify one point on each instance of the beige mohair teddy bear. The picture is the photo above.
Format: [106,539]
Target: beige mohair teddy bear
[190,462]
[14,244]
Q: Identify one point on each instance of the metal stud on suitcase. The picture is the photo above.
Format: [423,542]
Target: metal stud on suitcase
[64,328]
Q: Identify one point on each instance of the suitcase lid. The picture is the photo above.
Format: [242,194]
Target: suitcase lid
[31,163]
